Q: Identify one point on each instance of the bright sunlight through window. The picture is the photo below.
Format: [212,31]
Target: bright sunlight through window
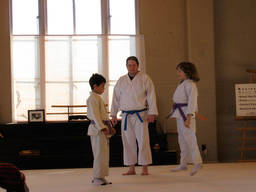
[52,65]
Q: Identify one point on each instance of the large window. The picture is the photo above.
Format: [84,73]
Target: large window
[58,44]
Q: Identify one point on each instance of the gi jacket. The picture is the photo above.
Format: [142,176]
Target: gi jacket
[96,111]
[135,94]
[186,92]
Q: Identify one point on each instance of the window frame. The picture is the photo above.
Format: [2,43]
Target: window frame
[43,33]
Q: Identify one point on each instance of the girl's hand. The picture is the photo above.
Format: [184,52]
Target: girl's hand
[187,122]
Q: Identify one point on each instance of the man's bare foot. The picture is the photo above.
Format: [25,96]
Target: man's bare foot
[144,173]
[129,173]
[131,170]
[144,170]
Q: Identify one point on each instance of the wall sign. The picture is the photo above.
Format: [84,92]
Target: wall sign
[245,100]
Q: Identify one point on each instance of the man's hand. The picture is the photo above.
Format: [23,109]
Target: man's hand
[114,120]
[151,118]
[113,131]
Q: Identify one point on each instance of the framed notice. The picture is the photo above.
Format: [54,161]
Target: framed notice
[245,101]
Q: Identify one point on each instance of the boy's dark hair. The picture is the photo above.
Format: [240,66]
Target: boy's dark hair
[190,70]
[96,79]
[132,58]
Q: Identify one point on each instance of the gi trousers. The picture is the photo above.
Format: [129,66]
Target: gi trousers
[188,143]
[100,149]
[137,132]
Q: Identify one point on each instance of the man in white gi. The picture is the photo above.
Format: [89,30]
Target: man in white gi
[134,95]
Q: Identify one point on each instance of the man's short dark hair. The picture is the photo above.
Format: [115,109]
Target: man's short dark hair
[132,58]
[96,79]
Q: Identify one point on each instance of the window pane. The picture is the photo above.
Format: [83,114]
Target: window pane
[119,49]
[26,97]
[122,16]
[86,57]
[81,92]
[24,17]
[88,16]
[110,91]
[25,76]
[57,94]
[57,59]
[60,16]
[25,58]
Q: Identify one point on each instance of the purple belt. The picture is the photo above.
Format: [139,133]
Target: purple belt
[108,123]
[178,106]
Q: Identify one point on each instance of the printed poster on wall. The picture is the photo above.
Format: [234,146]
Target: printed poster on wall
[245,100]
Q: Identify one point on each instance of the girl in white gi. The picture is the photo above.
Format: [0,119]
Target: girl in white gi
[184,110]
[134,95]
[99,130]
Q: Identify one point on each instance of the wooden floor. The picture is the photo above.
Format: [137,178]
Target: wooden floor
[219,177]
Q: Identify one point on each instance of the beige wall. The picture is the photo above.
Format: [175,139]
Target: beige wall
[235,52]
[200,22]
[5,67]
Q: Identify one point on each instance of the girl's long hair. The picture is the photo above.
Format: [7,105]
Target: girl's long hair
[190,70]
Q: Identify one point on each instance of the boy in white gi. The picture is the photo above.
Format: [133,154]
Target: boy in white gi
[184,110]
[134,95]
[99,130]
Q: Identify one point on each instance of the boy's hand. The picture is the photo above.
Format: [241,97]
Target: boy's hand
[114,120]
[105,131]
